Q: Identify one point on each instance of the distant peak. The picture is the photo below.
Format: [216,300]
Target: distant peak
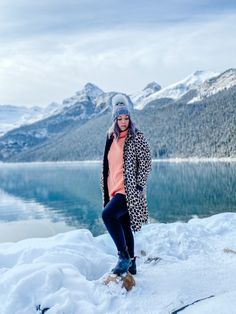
[90,85]
[197,78]
[229,71]
[153,86]
[229,74]
[90,90]
[198,72]
[203,74]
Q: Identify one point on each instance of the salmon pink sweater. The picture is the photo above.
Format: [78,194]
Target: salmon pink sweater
[115,180]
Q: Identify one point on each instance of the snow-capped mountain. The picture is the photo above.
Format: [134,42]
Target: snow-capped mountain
[75,115]
[52,121]
[139,97]
[89,92]
[205,83]
[216,84]
[103,102]
[179,89]
[12,117]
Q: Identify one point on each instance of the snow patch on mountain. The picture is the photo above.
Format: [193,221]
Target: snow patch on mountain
[89,92]
[103,102]
[216,84]
[179,89]
[138,97]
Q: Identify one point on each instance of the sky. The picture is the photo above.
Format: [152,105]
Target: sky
[51,48]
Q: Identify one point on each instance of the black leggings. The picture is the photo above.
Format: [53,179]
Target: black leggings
[116,218]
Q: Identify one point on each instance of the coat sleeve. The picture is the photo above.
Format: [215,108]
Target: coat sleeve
[144,160]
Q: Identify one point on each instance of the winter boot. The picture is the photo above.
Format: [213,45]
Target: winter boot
[132,269]
[123,264]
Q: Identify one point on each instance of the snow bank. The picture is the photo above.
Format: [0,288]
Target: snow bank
[178,264]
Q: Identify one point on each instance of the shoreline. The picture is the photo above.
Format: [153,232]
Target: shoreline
[170,160]
[52,229]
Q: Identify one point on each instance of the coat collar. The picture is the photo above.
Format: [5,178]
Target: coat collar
[129,135]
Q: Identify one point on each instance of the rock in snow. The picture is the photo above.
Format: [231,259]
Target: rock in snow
[187,262]
[127,280]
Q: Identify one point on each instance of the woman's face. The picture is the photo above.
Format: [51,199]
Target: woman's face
[123,122]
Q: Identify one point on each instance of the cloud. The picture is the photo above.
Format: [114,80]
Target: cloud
[38,67]
[25,18]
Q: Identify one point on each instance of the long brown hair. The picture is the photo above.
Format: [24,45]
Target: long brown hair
[114,130]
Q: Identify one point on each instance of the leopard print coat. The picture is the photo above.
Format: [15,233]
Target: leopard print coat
[137,165]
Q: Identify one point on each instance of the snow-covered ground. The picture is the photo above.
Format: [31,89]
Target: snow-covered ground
[65,273]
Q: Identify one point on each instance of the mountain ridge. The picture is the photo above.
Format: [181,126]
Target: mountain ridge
[85,112]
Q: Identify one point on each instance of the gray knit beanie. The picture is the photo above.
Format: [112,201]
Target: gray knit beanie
[120,105]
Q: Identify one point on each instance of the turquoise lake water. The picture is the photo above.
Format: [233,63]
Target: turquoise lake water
[38,200]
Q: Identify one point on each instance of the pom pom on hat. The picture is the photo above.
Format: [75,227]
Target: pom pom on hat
[120,105]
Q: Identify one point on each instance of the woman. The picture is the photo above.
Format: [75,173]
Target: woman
[126,165]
